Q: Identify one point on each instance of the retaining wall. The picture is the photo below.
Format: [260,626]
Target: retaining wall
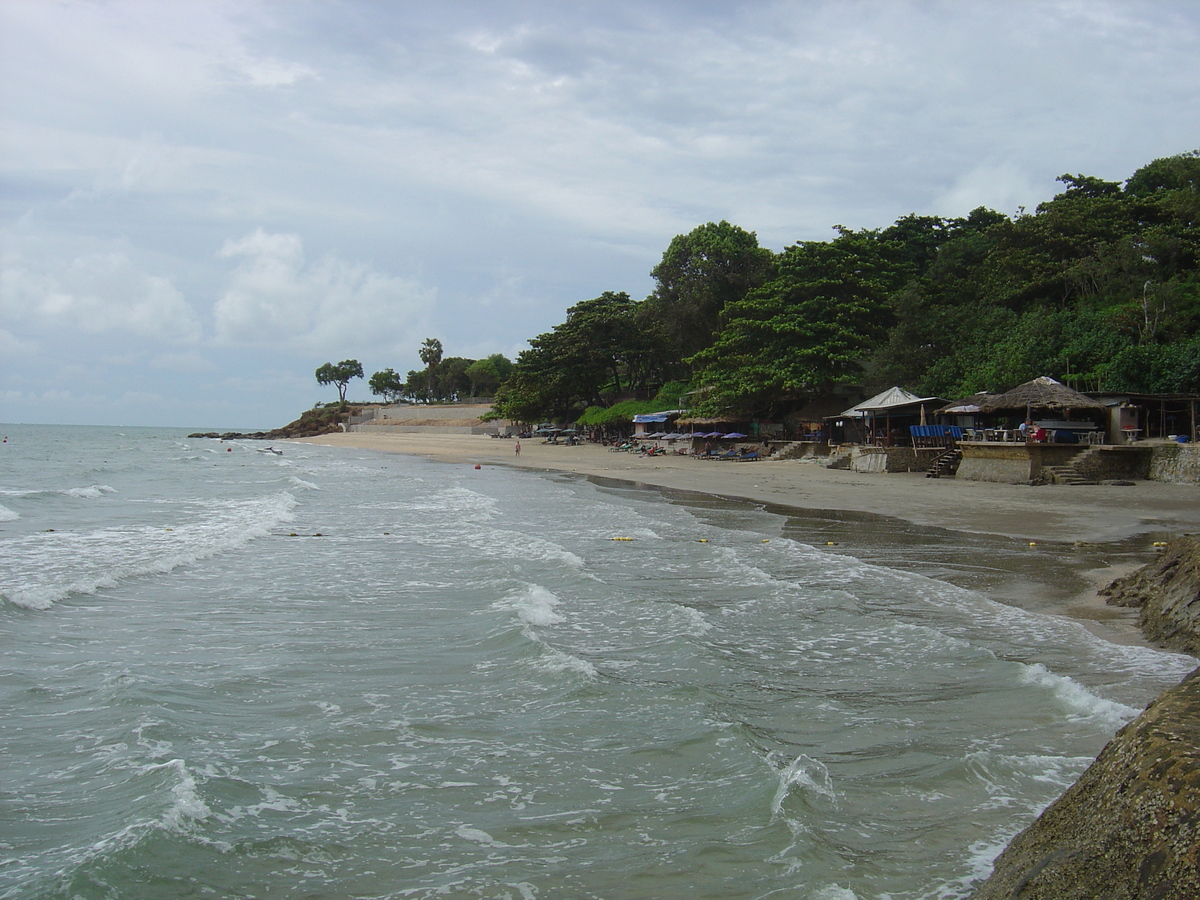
[1177,463]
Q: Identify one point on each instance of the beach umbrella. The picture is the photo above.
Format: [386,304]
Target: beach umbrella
[735,435]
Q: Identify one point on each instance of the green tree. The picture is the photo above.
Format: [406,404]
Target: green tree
[452,382]
[808,329]
[431,352]
[386,384]
[600,351]
[483,377]
[340,375]
[700,273]
[431,355]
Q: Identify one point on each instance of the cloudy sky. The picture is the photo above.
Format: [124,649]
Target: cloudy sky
[203,201]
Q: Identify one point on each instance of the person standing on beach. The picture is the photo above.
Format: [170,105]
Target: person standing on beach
[518,448]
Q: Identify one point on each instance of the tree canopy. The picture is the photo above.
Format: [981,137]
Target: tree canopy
[339,375]
[1098,286]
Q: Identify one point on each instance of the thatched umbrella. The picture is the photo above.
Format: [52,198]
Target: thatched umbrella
[1041,393]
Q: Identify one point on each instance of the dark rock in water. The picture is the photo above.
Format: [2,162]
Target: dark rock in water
[313,422]
[1129,829]
[1168,592]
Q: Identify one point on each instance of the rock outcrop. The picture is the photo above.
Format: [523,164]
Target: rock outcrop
[1129,829]
[1168,593]
[312,422]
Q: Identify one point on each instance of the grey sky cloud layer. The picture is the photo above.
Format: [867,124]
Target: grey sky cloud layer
[204,201]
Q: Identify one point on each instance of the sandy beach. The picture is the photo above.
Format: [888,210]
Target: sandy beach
[1050,547]
[1087,513]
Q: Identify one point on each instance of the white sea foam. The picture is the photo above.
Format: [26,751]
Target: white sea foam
[478,835]
[498,544]
[697,622]
[458,502]
[55,566]
[557,662]
[187,806]
[534,605]
[8,515]
[1077,699]
[833,892]
[92,492]
[804,777]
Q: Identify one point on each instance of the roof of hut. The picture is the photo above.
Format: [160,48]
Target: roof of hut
[893,396]
[1041,393]
[965,406]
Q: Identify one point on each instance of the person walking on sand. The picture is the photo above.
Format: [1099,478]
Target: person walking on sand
[518,448]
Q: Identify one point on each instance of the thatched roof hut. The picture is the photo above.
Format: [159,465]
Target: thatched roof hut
[1041,393]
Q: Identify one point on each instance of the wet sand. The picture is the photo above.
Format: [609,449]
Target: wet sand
[1060,543]
[1090,513]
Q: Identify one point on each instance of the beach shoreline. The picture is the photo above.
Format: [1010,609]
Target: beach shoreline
[1098,531]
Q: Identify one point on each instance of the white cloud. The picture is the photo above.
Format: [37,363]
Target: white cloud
[276,298]
[189,362]
[386,172]
[13,347]
[97,293]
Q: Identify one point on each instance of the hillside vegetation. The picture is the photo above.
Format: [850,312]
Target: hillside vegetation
[1097,286]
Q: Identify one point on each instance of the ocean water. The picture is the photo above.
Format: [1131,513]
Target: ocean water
[340,674]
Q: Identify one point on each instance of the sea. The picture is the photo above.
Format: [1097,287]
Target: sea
[231,672]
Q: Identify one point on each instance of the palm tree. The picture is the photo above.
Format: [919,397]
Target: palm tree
[431,355]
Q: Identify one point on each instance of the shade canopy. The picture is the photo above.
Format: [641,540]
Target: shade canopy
[1041,393]
[966,406]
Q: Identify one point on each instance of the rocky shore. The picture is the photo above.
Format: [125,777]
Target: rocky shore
[1129,829]
[1168,593]
[312,423]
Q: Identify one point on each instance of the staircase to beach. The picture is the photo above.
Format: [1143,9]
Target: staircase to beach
[1073,472]
[946,463]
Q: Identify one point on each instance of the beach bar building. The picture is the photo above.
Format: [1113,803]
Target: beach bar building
[1071,426]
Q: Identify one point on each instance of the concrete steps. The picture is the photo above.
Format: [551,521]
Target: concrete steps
[946,464]
[1072,472]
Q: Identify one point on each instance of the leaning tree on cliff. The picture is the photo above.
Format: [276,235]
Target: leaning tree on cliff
[339,375]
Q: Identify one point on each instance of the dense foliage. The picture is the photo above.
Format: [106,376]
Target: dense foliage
[1098,287]
[444,379]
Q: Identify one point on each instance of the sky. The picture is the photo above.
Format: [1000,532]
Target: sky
[203,201]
